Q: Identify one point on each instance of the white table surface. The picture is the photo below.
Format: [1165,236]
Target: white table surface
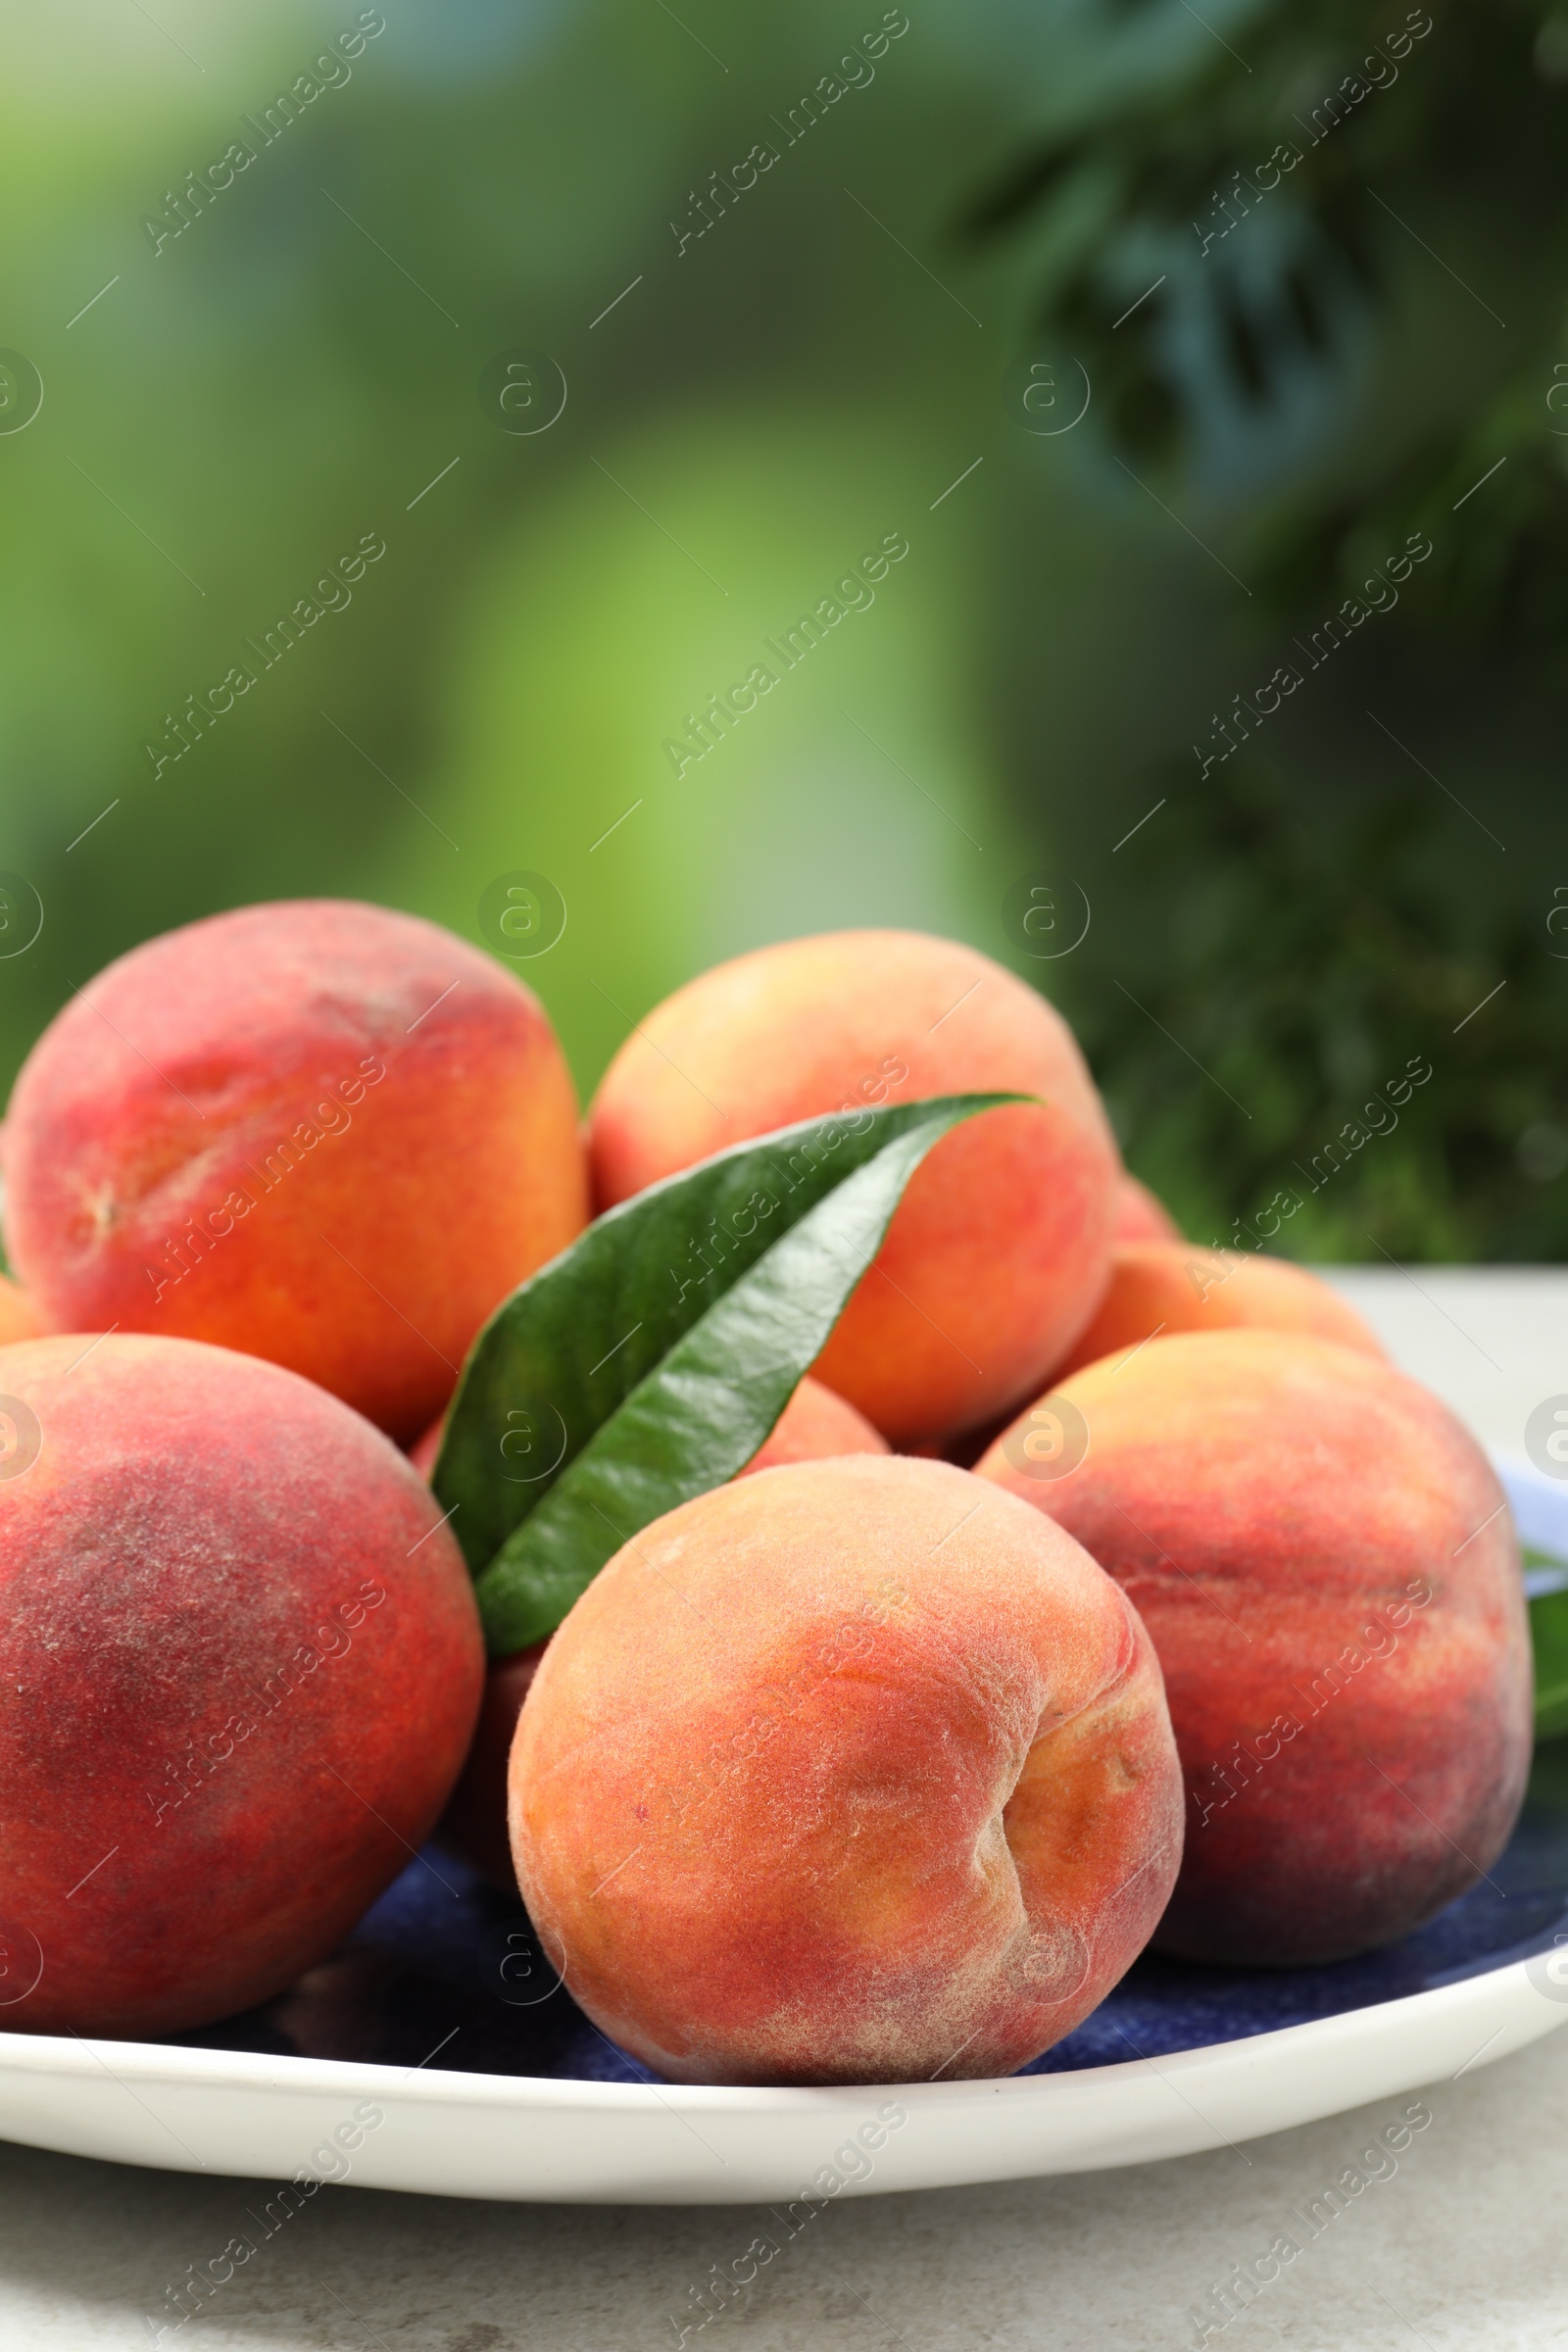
[1465,2245]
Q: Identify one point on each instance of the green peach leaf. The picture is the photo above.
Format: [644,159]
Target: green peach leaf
[1548,1636]
[623,1377]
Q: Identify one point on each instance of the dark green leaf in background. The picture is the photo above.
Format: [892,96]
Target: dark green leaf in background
[1274,212]
[1548,1636]
[649,1361]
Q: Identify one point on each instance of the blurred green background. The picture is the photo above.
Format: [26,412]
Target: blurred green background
[748,412]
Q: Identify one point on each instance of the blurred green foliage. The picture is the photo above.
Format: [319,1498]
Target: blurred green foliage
[300,364]
[748,411]
[1284,249]
[1549,1639]
[1284,207]
[1316,972]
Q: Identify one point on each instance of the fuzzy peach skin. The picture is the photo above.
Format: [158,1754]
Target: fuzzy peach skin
[241,1662]
[1141,1215]
[998,1250]
[319,1132]
[19,1317]
[1173,1286]
[1323,1557]
[813,1425]
[840,1774]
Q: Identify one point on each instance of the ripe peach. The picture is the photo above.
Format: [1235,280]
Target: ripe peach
[1141,1215]
[1174,1286]
[19,1317]
[998,1250]
[813,1425]
[1324,1560]
[242,1661]
[317,1132]
[841,1774]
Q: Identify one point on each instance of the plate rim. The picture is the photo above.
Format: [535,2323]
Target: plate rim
[456,2134]
[215,2068]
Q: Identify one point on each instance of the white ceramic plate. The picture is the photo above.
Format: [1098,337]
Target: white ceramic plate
[558,2137]
[489,2136]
